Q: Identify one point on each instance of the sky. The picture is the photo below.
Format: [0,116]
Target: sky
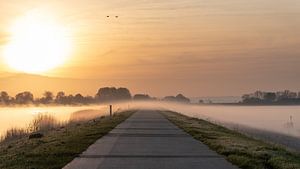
[194,47]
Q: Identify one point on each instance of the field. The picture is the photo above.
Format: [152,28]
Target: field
[241,150]
[57,147]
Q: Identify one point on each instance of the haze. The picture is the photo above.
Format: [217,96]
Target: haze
[196,47]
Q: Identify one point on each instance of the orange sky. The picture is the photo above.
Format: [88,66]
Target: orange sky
[195,47]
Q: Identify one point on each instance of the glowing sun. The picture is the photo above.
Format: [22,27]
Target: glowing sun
[37,44]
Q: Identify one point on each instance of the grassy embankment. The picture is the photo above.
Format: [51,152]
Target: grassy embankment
[241,150]
[57,147]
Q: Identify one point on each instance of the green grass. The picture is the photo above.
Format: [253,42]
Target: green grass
[241,150]
[57,147]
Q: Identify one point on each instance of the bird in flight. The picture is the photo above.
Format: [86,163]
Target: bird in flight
[115,16]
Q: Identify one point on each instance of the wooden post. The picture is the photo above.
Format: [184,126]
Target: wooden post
[110,110]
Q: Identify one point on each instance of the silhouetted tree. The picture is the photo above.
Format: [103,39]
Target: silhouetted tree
[123,94]
[269,97]
[70,99]
[259,94]
[141,97]
[60,98]
[201,101]
[182,98]
[178,98]
[286,94]
[282,97]
[106,93]
[4,98]
[113,94]
[169,98]
[78,98]
[89,99]
[246,96]
[47,98]
[24,98]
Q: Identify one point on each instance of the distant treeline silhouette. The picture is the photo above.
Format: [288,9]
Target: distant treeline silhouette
[104,95]
[280,97]
[178,98]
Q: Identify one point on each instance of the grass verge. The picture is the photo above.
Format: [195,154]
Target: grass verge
[240,150]
[57,147]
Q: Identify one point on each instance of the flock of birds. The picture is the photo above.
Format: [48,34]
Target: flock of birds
[110,16]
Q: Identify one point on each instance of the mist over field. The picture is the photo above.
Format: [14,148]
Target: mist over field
[279,124]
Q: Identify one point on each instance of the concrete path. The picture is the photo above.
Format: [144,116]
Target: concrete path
[147,140]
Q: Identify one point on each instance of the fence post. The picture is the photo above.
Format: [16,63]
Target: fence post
[110,110]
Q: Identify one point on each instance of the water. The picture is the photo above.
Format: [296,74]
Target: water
[20,117]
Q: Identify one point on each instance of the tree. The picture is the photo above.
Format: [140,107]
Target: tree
[141,97]
[69,99]
[113,94]
[78,98]
[259,94]
[246,97]
[123,94]
[47,97]
[169,98]
[106,94]
[4,97]
[292,95]
[24,98]
[178,98]
[182,98]
[60,97]
[269,96]
[286,95]
[89,99]
[279,97]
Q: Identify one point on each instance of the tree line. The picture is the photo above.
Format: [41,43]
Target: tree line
[106,94]
[279,97]
[48,97]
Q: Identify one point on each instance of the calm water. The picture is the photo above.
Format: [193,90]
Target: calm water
[20,117]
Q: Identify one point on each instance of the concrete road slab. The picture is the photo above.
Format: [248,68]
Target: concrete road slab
[176,146]
[147,131]
[150,163]
[147,140]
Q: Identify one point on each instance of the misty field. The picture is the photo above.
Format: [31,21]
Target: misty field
[273,123]
[243,151]
[58,145]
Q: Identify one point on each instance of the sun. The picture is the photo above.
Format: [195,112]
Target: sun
[37,44]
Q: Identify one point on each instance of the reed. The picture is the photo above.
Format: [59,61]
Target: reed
[41,123]
[14,133]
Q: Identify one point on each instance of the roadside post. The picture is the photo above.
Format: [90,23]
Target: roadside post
[110,110]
